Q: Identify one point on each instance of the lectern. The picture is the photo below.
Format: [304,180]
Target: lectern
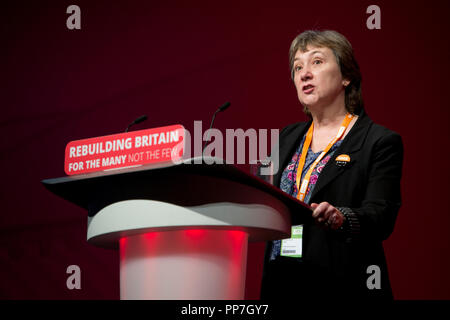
[182,229]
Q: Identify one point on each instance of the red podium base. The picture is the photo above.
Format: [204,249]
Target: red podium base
[184,264]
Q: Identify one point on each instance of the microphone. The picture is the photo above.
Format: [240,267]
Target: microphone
[221,108]
[138,120]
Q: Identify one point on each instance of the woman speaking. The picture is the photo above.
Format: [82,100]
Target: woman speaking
[347,168]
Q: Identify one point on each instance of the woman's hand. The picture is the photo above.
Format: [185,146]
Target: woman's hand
[327,216]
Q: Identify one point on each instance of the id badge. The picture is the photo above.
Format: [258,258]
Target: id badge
[292,247]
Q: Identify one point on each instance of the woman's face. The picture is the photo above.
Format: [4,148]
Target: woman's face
[317,77]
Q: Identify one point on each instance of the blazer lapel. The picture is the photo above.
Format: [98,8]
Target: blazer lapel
[350,145]
[287,147]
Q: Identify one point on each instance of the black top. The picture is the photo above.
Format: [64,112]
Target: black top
[369,187]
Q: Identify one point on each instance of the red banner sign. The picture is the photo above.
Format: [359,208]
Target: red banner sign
[131,149]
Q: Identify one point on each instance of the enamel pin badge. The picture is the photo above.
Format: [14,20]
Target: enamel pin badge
[342,160]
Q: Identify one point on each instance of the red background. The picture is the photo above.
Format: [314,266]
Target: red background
[177,61]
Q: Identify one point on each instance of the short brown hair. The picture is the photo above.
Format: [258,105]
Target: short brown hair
[343,51]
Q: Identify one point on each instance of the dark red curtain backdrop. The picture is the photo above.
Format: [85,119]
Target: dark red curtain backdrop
[177,61]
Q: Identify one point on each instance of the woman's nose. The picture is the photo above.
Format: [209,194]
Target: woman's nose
[306,75]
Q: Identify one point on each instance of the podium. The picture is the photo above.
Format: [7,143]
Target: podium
[182,229]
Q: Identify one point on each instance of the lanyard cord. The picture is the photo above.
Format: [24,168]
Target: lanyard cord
[305,182]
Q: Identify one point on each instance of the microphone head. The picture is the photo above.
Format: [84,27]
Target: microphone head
[140,119]
[224,106]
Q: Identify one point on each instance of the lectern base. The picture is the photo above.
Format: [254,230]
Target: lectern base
[184,265]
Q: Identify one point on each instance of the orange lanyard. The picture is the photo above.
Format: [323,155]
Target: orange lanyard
[305,182]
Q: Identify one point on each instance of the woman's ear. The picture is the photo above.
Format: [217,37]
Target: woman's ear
[345,83]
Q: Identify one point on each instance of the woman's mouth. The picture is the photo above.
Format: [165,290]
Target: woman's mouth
[309,88]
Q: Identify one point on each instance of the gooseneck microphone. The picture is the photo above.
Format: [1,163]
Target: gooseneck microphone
[138,120]
[221,108]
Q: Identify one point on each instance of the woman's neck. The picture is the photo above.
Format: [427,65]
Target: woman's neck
[326,126]
[328,117]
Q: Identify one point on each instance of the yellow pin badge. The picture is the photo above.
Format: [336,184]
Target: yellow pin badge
[342,159]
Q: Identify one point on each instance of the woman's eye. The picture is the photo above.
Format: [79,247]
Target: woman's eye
[297,68]
[317,61]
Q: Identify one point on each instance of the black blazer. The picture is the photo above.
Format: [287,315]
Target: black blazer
[370,186]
